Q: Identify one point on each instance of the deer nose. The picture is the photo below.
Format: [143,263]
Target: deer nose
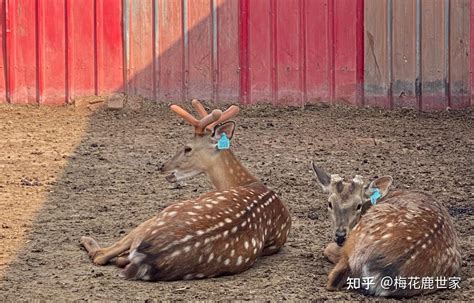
[340,237]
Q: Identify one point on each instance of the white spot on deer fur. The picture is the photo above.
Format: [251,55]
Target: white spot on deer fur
[197,206]
[211,256]
[222,198]
[232,252]
[409,238]
[435,225]
[390,224]
[253,215]
[187,248]
[246,245]
[197,244]
[175,253]
[159,223]
[226,262]
[234,229]
[221,224]
[225,233]
[386,236]
[154,232]
[228,220]
[200,276]
[243,224]
[226,246]
[191,213]
[239,261]
[207,240]
[199,232]
[255,251]
[209,205]
[423,246]
[186,238]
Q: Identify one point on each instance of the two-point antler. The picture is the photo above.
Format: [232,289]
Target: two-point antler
[207,121]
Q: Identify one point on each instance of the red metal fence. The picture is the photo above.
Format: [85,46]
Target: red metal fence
[391,53]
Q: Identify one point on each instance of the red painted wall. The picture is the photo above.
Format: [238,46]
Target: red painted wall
[277,51]
[53,51]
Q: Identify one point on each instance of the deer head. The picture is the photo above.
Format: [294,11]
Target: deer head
[199,155]
[348,200]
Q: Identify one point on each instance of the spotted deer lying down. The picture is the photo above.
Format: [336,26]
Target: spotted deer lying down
[405,234]
[221,232]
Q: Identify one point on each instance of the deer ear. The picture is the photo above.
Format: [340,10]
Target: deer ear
[383,184]
[227,127]
[324,180]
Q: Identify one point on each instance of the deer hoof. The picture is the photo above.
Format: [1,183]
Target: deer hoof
[90,244]
[99,258]
[330,287]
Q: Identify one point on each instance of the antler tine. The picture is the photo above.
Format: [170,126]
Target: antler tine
[207,120]
[185,115]
[231,112]
[199,108]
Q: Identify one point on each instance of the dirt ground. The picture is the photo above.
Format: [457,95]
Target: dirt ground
[65,174]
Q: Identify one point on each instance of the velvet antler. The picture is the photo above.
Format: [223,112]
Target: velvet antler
[231,112]
[207,121]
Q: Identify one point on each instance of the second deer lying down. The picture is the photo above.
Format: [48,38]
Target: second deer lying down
[405,234]
[221,232]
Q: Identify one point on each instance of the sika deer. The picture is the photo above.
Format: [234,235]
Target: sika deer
[405,234]
[221,232]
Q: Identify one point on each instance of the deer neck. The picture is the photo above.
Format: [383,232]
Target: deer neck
[227,172]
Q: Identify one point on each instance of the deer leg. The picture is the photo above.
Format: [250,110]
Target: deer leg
[338,275]
[274,245]
[91,245]
[101,256]
[333,253]
[121,261]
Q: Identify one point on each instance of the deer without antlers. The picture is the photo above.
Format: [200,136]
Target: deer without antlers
[405,234]
[221,232]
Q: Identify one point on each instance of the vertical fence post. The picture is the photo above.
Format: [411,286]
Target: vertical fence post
[244,51]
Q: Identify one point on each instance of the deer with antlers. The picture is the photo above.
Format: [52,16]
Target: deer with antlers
[380,233]
[221,232]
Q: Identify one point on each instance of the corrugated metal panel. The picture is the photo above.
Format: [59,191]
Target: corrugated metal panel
[390,53]
[183,49]
[418,53]
[58,50]
[302,51]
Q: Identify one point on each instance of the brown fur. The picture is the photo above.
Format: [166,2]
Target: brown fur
[407,234]
[220,232]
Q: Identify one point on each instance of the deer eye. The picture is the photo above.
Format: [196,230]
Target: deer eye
[359,206]
[187,149]
[329,205]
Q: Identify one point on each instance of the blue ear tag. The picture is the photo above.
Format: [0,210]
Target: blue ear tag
[375,195]
[224,142]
